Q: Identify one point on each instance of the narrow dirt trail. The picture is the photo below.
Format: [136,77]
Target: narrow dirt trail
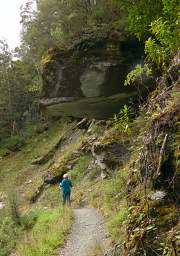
[87,231]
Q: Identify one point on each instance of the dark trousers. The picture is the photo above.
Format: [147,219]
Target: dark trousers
[66,198]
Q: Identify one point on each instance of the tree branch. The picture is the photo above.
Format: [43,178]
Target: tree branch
[161,154]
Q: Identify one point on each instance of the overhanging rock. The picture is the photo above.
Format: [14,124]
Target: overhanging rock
[87,81]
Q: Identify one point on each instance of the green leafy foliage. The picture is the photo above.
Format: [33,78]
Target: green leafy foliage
[61,23]
[122,119]
[140,14]
[15,143]
[166,41]
[137,74]
[15,97]
[157,23]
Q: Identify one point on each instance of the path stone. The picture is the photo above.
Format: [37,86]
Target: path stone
[87,231]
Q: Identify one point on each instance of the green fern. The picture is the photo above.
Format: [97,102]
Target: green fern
[137,72]
[122,120]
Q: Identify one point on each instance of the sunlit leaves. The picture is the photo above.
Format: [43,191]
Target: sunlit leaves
[122,119]
[164,43]
[137,73]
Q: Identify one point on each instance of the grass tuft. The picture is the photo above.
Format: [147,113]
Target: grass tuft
[79,170]
[48,233]
[8,234]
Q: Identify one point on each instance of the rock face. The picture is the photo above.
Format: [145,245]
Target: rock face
[109,156]
[93,69]
[158,195]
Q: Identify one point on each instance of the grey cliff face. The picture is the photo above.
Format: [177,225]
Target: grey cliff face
[90,74]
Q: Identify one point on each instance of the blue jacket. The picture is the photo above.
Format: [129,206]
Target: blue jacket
[66,186]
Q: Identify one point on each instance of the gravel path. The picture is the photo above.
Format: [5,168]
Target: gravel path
[87,231]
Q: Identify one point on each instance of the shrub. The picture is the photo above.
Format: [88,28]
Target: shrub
[35,128]
[164,42]
[14,143]
[136,73]
[79,170]
[28,220]
[14,207]
[122,119]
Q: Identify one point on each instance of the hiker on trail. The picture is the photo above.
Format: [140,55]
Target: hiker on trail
[66,186]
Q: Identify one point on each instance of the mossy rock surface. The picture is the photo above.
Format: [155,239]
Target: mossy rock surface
[91,71]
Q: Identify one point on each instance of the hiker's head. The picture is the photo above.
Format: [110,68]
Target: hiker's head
[65,176]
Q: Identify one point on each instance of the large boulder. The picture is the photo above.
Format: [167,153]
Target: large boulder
[87,80]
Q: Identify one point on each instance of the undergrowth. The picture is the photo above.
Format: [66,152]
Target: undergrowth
[8,235]
[13,223]
[109,196]
[47,234]
[16,168]
[79,170]
[15,142]
[22,224]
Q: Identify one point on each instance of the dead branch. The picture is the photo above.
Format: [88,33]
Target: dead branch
[161,154]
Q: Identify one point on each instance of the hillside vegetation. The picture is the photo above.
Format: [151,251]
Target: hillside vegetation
[124,190]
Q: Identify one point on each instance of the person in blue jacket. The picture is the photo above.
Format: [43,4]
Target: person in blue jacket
[66,186]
